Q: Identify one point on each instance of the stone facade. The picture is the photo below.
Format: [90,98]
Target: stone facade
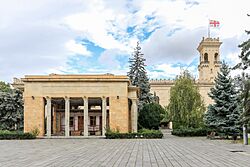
[66,104]
[208,68]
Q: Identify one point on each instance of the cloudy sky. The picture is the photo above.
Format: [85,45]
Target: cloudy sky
[98,36]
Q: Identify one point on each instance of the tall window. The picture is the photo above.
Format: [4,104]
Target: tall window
[216,57]
[206,57]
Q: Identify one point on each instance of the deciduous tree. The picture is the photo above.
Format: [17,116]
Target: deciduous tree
[11,110]
[186,105]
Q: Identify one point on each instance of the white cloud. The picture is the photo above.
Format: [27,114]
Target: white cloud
[179,47]
[42,32]
[76,48]
[109,58]
[95,25]
[33,36]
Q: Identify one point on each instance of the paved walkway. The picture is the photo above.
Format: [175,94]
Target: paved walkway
[170,151]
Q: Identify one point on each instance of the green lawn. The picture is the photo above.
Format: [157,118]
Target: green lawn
[241,141]
[248,141]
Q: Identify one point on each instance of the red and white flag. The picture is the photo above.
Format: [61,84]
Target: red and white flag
[214,23]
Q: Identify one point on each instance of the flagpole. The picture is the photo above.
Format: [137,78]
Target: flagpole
[208,29]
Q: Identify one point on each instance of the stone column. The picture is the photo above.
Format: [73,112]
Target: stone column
[104,113]
[67,115]
[86,116]
[48,109]
[54,119]
[134,110]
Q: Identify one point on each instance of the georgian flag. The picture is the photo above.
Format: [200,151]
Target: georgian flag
[214,23]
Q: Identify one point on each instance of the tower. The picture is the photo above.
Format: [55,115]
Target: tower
[209,66]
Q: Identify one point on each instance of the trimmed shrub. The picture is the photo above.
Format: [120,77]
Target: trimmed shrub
[10,135]
[143,134]
[190,132]
[150,116]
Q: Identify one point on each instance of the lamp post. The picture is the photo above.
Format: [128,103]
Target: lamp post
[245,135]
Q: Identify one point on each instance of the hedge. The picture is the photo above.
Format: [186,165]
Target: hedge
[190,132]
[10,135]
[143,134]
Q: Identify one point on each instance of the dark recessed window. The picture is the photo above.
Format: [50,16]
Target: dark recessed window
[215,57]
[206,57]
[71,122]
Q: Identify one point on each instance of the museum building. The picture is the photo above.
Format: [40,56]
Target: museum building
[78,105]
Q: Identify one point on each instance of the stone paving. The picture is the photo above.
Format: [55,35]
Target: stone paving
[170,151]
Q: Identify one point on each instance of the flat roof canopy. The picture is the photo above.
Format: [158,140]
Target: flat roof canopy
[77,78]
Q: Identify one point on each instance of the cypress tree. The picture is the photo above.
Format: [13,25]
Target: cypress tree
[138,76]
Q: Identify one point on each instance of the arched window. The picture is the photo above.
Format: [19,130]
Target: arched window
[206,57]
[216,57]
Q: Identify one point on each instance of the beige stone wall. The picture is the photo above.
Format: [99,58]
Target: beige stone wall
[204,90]
[35,92]
[118,113]
[34,114]
[75,89]
[162,90]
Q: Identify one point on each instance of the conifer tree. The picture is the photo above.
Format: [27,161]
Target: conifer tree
[224,114]
[138,76]
[244,80]
[245,54]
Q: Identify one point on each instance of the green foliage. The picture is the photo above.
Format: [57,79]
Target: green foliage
[244,65]
[11,110]
[10,135]
[144,134]
[245,96]
[186,105]
[138,76]
[224,114]
[35,131]
[245,54]
[4,87]
[166,116]
[190,132]
[150,116]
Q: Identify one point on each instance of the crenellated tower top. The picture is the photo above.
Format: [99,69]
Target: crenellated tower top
[209,66]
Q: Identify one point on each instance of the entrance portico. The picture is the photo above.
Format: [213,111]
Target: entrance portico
[71,120]
[79,105]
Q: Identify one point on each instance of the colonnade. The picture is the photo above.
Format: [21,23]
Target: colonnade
[67,116]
